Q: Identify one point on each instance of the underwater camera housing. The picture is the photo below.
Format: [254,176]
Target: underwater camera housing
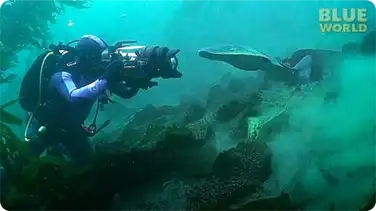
[122,51]
[138,68]
[126,53]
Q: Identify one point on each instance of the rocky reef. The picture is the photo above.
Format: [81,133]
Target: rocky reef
[235,173]
[165,158]
[156,142]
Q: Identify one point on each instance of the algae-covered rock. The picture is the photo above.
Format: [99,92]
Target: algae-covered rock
[156,115]
[159,142]
[280,202]
[167,123]
[235,172]
[230,89]
[274,117]
[368,44]
[194,112]
[230,110]
[264,128]
[235,126]
[113,169]
[174,137]
[239,130]
[160,145]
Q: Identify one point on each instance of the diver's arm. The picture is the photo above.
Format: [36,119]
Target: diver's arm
[64,84]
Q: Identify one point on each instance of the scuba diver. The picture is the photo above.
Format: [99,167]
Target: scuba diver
[78,81]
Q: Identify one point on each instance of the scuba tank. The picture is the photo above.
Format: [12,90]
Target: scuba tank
[32,95]
[36,79]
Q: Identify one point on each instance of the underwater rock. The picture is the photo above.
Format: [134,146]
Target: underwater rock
[233,108]
[147,149]
[250,116]
[149,122]
[114,168]
[274,113]
[181,138]
[157,115]
[240,130]
[152,124]
[216,96]
[230,103]
[230,110]
[351,47]
[368,44]
[168,141]
[230,89]
[156,143]
[235,172]
[265,128]
[280,202]
[194,112]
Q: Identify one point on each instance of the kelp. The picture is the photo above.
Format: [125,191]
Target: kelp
[12,148]
[24,25]
[8,118]
[8,104]
[54,183]
[8,78]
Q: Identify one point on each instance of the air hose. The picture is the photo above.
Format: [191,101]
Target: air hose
[39,97]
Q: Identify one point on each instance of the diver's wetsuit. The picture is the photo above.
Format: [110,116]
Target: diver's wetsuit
[71,97]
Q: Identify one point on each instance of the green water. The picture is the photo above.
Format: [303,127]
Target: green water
[337,140]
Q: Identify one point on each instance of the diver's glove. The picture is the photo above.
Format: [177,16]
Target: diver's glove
[159,62]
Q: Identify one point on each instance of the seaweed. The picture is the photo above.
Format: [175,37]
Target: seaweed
[6,117]
[54,183]
[24,24]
